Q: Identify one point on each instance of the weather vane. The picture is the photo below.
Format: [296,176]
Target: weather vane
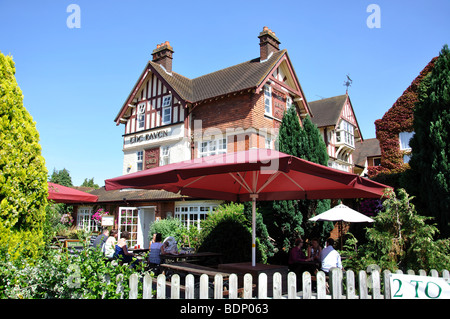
[348,83]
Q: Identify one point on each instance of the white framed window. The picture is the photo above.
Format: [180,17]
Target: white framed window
[129,221]
[140,160]
[141,116]
[166,115]
[167,101]
[213,147]
[192,214]
[85,221]
[288,102]
[404,138]
[268,99]
[165,155]
[345,133]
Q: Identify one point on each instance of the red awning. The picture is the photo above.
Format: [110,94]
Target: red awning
[67,195]
[235,176]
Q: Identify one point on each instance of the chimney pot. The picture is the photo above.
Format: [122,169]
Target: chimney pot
[268,43]
[163,55]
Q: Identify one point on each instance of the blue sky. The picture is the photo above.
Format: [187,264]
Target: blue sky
[75,80]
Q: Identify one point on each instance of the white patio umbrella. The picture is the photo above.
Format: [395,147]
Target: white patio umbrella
[342,213]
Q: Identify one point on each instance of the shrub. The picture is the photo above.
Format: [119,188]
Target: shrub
[175,228]
[225,231]
[399,239]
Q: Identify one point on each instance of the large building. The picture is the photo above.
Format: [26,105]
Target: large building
[339,128]
[168,118]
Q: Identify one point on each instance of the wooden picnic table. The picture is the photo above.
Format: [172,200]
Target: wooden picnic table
[191,256]
[188,268]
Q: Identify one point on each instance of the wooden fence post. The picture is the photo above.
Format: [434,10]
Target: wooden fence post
[134,280]
[190,283]
[218,286]
[351,285]
[233,286]
[248,286]
[292,285]
[147,287]
[321,285]
[175,286]
[363,293]
[204,286]
[307,291]
[277,286]
[161,287]
[387,284]
[262,286]
[336,283]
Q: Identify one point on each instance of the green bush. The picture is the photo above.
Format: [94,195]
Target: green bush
[225,231]
[399,239]
[60,275]
[175,228]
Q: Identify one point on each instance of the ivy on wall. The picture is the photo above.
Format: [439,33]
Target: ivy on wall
[399,118]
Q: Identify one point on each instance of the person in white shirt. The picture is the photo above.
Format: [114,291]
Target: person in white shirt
[329,257]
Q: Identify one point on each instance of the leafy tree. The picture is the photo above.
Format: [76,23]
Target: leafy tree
[61,177]
[430,158]
[23,176]
[226,231]
[90,183]
[399,239]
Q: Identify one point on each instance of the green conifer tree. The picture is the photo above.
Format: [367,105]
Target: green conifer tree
[23,176]
[430,158]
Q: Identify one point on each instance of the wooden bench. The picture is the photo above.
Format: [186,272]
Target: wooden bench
[187,268]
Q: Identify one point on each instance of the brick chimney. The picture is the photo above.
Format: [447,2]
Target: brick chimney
[268,43]
[163,56]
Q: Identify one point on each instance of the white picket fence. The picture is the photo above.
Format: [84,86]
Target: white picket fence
[326,287]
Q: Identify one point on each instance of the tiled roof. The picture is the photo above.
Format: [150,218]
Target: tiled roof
[326,112]
[369,148]
[133,195]
[238,77]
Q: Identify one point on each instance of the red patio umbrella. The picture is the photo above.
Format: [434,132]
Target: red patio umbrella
[261,174]
[68,195]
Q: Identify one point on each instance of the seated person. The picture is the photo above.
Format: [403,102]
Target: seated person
[330,257]
[169,246]
[110,244]
[121,251]
[296,255]
[155,250]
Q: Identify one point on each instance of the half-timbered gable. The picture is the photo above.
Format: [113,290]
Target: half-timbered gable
[339,127]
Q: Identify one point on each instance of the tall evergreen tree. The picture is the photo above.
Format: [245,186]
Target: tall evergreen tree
[23,176]
[430,158]
[61,177]
[313,149]
[287,220]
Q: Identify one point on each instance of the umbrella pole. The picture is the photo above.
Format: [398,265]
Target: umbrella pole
[254,197]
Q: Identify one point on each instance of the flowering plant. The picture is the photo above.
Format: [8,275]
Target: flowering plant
[66,219]
[99,214]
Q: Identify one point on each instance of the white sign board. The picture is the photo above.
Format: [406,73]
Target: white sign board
[107,220]
[418,287]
